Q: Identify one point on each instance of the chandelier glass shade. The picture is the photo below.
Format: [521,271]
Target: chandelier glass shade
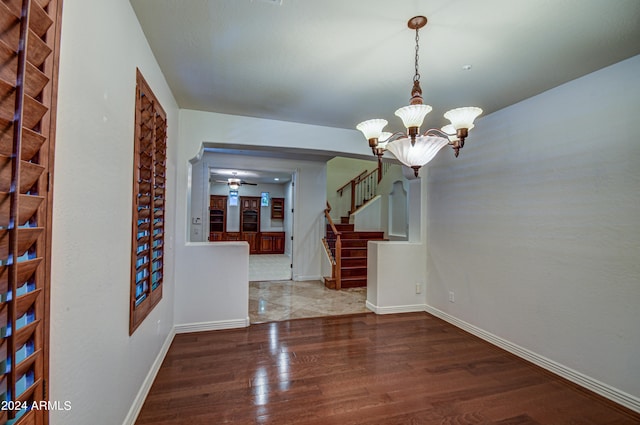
[415,149]
[413,115]
[419,153]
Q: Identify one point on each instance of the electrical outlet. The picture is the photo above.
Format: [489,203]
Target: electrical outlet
[452,297]
[418,287]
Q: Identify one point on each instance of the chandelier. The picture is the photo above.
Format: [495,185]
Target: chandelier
[415,149]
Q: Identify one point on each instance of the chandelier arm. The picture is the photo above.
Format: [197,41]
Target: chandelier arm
[395,136]
[435,131]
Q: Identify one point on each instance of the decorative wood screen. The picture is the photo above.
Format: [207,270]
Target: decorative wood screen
[149,168]
[29,40]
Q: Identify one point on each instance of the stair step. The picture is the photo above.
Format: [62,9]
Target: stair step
[354,261]
[353,282]
[352,243]
[341,227]
[361,235]
[353,237]
[330,282]
[357,271]
[354,252]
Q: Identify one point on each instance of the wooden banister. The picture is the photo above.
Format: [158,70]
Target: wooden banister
[337,257]
[341,189]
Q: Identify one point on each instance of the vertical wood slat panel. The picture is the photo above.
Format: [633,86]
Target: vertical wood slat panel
[12,230]
[29,55]
[147,257]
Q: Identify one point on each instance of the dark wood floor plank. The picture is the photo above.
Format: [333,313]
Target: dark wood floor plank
[361,370]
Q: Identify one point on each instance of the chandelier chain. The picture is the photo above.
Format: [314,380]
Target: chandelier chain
[416,77]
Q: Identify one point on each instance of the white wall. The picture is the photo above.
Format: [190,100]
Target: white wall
[217,296]
[94,363]
[393,175]
[395,277]
[398,212]
[536,227]
[396,270]
[369,216]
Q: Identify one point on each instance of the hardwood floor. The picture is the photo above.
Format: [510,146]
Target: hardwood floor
[363,369]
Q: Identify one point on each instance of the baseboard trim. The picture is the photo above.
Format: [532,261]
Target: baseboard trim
[395,309]
[306,278]
[212,326]
[607,391]
[134,411]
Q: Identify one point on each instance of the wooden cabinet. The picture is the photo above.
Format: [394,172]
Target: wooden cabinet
[249,214]
[217,217]
[232,236]
[277,208]
[217,236]
[259,242]
[250,221]
[252,239]
[272,243]
[250,203]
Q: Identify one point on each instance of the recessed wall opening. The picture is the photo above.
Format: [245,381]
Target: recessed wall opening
[254,206]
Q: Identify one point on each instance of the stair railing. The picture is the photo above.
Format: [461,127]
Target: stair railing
[336,270]
[351,186]
[364,186]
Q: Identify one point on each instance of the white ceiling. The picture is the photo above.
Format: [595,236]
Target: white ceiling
[222,175]
[337,62]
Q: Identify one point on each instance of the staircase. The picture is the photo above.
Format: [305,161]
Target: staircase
[353,264]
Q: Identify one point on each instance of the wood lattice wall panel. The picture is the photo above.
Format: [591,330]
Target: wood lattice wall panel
[29,40]
[149,168]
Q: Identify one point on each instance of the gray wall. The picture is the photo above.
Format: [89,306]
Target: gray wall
[536,227]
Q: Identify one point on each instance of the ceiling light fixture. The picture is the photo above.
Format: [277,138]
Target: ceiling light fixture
[234,184]
[413,148]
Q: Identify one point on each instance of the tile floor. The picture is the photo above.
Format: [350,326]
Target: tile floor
[274,297]
[269,267]
[271,301]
